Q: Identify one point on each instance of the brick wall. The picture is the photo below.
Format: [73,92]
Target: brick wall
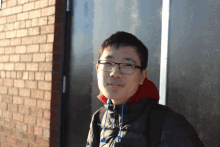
[30,44]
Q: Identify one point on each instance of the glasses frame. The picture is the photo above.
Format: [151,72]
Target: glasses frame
[114,63]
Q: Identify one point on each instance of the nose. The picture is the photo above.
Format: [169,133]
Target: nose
[116,71]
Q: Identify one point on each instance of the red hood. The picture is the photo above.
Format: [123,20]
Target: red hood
[148,89]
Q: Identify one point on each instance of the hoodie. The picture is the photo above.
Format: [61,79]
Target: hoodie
[140,94]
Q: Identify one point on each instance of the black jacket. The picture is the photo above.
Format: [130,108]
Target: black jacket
[145,124]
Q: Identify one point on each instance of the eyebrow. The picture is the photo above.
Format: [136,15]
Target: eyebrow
[126,58]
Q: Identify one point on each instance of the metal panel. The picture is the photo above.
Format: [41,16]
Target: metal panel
[92,23]
[193,65]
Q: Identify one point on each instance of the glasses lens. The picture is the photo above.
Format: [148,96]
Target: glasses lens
[109,66]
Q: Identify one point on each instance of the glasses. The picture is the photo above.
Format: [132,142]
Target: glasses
[125,68]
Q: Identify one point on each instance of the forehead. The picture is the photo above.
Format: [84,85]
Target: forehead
[121,54]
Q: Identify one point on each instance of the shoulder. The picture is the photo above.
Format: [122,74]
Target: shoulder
[97,114]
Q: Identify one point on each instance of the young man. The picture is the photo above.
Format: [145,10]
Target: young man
[131,115]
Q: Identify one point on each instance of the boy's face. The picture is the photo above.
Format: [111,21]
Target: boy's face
[120,94]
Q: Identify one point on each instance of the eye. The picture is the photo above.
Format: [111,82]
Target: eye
[128,65]
[109,63]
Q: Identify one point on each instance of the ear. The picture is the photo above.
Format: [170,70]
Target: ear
[143,76]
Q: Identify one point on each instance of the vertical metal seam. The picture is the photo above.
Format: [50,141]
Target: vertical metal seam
[164,50]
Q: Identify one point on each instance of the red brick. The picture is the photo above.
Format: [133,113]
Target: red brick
[8,76]
[13,91]
[14,58]
[22,16]
[9,50]
[24,127]
[34,31]
[54,105]
[41,4]
[35,14]
[18,83]
[54,115]
[2,35]
[54,124]
[5,42]
[30,129]
[35,22]
[30,119]
[56,67]
[12,107]
[47,95]
[23,109]
[24,92]
[46,133]
[58,38]
[11,140]
[31,84]
[26,58]
[11,3]
[2,27]
[28,6]
[25,76]
[22,143]
[48,76]
[7,98]
[8,82]
[46,114]
[45,66]
[55,86]
[50,38]
[22,33]
[4,106]
[47,29]
[17,9]
[32,48]
[43,123]
[37,94]
[6,12]
[20,2]
[38,131]
[36,112]
[40,39]
[4,58]
[48,11]
[13,74]
[9,66]
[30,102]
[18,117]
[42,141]
[59,10]
[15,41]
[19,66]
[46,47]
[6,130]
[39,76]
[32,66]
[43,21]
[29,137]
[43,104]
[19,74]
[31,75]
[44,85]
[28,23]
[11,34]
[20,49]
[3,20]
[39,57]
[16,133]
[18,100]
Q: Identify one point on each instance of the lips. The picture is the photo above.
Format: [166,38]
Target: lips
[116,84]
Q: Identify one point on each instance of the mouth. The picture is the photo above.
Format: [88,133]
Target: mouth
[116,85]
